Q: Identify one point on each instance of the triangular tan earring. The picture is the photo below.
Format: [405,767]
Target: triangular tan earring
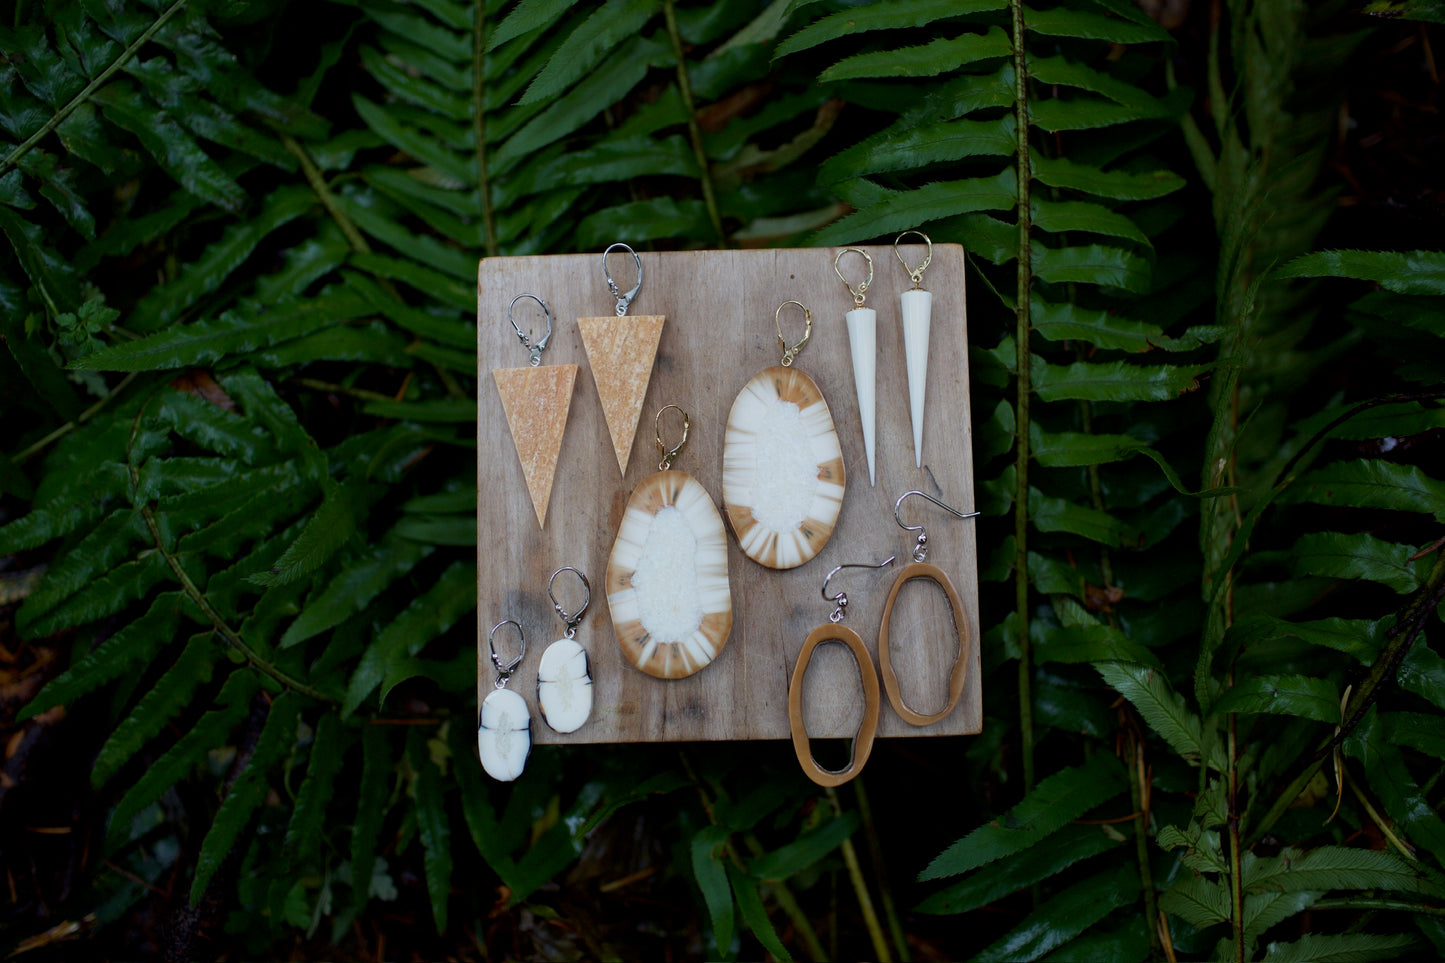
[536,401]
[620,351]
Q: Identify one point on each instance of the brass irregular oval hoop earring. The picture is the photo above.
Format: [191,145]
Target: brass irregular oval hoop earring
[921,569]
[834,631]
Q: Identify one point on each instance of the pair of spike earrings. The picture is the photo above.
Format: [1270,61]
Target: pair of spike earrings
[835,631]
[916,308]
[536,399]
[564,690]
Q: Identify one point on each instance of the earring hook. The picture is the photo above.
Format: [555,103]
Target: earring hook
[841,599]
[575,619]
[920,550]
[916,274]
[791,354]
[623,300]
[504,672]
[662,450]
[533,349]
[860,292]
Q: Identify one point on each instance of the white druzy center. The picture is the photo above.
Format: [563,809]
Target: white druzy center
[785,472]
[668,602]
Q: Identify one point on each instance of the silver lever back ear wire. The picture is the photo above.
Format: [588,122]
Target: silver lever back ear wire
[920,549]
[575,619]
[504,672]
[624,301]
[534,349]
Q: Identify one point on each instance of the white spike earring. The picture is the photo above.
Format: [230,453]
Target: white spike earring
[564,678]
[834,631]
[919,568]
[504,732]
[863,343]
[916,310]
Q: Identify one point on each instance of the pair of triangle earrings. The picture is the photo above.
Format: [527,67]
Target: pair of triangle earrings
[620,351]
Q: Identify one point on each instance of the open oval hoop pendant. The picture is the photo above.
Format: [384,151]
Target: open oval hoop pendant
[867,729]
[957,677]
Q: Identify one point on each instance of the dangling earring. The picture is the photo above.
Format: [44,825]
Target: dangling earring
[916,308]
[667,577]
[919,568]
[504,731]
[621,351]
[536,401]
[783,476]
[863,344]
[564,677]
[834,631]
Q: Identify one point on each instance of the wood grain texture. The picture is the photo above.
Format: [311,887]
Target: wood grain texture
[719,333]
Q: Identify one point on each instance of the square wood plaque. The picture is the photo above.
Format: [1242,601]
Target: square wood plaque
[719,332]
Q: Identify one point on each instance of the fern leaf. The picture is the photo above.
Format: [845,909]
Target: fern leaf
[427,150]
[416,321]
[750,907]
[304,831]
[1341,948]
[1293,695]
[1118,184]
[929,60]
[1054,802]
[108,544]
[1075,449]
[1066,916]
[381,220]
[438,286]
[1066,22]
[355,586]
[1405,272]
[526,17]
[432,825]
[135,644]
[811,846]
[1264,910]
[1093,264]
[1162,708]
[1201,848]
[1414,730]
[584,48]
[883,16]
[1050,514]
[708,869]
[65,510]
[949,140]
[899,210]
[428,616]
[107,595]
[1372,484]
[189,752]
[1333,867]
[168,697]
[212,427]
[248,791]
[989,884]
[1062,216]
[1113,381]
[446,410]
[1198,901]
[371,807]
[1092,643]
[1338,555]
[439,529]
[330,528]
[264,407]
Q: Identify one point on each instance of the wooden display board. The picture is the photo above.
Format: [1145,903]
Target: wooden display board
[719,332]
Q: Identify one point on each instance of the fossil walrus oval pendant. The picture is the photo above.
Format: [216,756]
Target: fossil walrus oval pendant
[667,578]
[783,474]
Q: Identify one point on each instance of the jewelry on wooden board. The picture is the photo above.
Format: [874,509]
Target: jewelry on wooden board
[834,631]
[564,677]
[783,476]
[668,591]
[916,309]
[536,400]
[919,568]
[504,729]
[863,345]
[621,352]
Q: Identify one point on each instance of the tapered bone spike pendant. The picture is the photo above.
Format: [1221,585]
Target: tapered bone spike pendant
[621,352]
[667,578]
[536,401]
[863,343]
[783,476]
[917,310]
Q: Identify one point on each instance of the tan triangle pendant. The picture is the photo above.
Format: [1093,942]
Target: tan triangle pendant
[621,351]
[536,401]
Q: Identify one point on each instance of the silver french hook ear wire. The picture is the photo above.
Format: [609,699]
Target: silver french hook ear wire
[575,619]
[624,301]
[840,601]
[534,350]
[920,548]
[504,672]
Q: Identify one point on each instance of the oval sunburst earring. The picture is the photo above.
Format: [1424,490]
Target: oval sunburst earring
[564,677]
[783,476]
[834,631]
[920,568]
[667,577]
[504,731]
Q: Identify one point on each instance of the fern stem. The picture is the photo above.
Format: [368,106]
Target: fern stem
[479,123]
[885,892]
[80,419]
[1236,856]
[318,184]
[1139,795]
[694,132]
[1021,410]
[860,887]
[74,103]
[362,394]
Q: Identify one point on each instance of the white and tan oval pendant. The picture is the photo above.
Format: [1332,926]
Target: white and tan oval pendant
[504,729]
[564,677]
[667,577]
[783,477]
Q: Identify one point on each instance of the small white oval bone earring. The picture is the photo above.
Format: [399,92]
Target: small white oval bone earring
[564,678]
[504,731]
